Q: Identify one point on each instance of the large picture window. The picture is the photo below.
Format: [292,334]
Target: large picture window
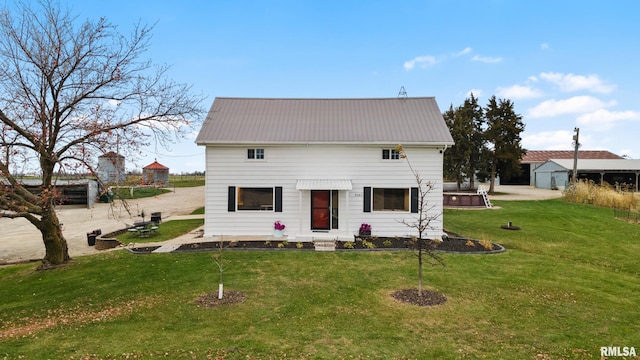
[255,199]
[390,199]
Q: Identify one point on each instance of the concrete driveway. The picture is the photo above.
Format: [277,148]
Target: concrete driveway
[521,192]
[21,241]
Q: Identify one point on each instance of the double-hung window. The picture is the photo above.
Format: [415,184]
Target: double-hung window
[390,154]
[255,154]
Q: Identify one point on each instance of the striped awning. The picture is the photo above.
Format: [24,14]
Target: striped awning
[324,184]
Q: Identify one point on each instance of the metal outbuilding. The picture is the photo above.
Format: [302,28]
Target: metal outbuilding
[535,158]
[556,173]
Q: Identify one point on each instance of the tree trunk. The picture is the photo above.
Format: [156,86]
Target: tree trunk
[55,244]
[492,181]
[420,274]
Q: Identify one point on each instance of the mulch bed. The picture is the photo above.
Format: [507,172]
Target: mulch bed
[411,296]
[458,245]
[450,244]
[261,244]
[228,297]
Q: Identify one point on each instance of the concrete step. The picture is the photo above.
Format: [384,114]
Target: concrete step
[325,244]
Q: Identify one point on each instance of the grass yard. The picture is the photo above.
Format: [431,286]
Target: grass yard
[166,231]
[138,192]
[567,285]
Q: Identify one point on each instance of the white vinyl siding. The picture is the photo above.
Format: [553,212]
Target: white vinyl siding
[226,166]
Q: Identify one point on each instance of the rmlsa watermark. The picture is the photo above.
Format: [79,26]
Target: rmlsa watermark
[617,351]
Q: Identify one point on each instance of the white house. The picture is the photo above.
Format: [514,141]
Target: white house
[320,166]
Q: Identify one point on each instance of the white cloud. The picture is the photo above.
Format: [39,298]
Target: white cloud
[548,140]
[603,119]
[519,92]
[553,140]
[464,51]
[571,82]
[544,46]
[486,59]
[421,61]
[476,93]
[574,105]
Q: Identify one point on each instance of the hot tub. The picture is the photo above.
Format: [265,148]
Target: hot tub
[462,199]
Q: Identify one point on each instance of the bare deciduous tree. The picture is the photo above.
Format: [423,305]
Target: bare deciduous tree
[422,222]
[69,91]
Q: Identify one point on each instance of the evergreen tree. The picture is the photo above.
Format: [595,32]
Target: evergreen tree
[466,124]
[456,158]
[503,131]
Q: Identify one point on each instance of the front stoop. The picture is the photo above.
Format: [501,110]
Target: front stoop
[325,244]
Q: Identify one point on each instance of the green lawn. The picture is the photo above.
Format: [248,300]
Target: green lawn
[140,192]
[567,285]
[166,231]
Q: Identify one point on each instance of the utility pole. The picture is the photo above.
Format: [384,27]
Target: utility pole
[576,144]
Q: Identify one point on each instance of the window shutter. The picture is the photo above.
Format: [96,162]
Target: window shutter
[278,204]
[231,202]
[414,200]
[367,199]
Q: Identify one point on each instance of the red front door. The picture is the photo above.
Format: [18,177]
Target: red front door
[320,209]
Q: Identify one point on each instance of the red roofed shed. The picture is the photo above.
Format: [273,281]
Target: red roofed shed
[155,173]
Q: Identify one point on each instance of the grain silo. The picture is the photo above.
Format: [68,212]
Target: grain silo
[111,168]
[155,173]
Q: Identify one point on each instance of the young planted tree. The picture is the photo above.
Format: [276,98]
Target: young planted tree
[503,131]
[69,91]
[423,245]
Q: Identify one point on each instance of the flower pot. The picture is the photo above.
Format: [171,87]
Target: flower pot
[278,233]
[365,233]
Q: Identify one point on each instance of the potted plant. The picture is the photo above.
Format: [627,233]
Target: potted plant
[365,229]
[278,229]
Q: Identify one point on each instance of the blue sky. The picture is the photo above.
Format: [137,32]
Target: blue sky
[564,64]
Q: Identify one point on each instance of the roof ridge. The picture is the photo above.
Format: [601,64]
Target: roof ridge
[322,98]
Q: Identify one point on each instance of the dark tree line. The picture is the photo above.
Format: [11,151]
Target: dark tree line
[487,142]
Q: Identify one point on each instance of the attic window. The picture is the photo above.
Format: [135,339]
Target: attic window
[255,154]
[390,154]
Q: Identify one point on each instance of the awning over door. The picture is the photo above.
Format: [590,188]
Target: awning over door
[324,184]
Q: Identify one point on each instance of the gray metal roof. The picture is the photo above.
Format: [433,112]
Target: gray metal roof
[600,164]
[281,121]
